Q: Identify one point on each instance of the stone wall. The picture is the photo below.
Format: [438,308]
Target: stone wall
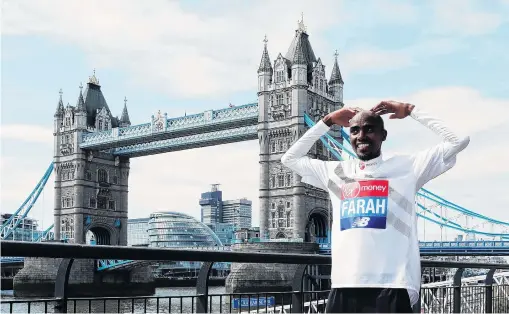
[265,277]
[38,276]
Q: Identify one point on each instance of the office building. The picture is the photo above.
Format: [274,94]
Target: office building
[137,232]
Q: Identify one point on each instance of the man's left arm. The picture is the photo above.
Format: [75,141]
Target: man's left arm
[432,162]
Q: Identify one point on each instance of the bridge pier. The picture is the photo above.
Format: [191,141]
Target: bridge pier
[39,277]
[258,277]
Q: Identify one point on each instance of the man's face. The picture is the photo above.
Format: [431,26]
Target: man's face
[366,135]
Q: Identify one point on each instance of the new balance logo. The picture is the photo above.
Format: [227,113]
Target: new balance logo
[360,222]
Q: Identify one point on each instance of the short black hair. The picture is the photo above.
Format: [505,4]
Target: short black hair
[379,121]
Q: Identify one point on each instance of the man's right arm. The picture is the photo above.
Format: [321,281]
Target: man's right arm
[312,171]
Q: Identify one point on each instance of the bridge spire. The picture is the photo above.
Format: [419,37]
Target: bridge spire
[265,64]
[60,106]
[124,119]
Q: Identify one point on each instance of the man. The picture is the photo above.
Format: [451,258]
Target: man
[375,249]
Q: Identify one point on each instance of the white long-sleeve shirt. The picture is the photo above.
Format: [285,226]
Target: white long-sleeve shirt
[374,230]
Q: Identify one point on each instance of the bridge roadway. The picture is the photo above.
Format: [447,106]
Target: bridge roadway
[224,124]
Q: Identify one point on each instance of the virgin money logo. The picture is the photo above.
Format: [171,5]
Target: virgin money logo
[351,190]
[362,166]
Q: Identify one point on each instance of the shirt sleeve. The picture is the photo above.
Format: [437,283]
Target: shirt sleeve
[436,160]
[312,171]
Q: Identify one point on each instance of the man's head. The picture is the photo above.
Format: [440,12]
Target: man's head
[367,133]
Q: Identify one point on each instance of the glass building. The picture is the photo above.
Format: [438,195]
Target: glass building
[137,232]
[172,229]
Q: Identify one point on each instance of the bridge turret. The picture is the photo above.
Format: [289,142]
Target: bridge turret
[81,112]
[336,81]
[265,70]
[124,119]
[59,113]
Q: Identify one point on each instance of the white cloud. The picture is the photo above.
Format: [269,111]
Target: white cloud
[465,18]
[197,53]
[174,181]
[26,133]
[209,51]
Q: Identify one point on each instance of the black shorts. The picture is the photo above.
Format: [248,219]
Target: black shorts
[368,300]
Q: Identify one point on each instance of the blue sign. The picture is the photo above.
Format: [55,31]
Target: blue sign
[253,302]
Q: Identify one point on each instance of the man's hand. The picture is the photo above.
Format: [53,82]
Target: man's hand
[341,117]
[398,109]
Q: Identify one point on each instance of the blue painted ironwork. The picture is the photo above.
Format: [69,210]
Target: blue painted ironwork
[208,121]
[438,247]
[15,220]
[192,141]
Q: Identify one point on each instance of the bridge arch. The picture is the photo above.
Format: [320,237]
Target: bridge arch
[317,225]
[100,234]
[280,235]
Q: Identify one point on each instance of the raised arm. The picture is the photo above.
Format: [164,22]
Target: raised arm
[451,144]
[436,160]
[314,171]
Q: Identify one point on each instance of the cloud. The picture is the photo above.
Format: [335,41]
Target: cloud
[26,133]
[171,48]
[465,18]
[211,50]
[174,181]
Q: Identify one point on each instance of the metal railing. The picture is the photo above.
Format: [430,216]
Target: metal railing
[304,295]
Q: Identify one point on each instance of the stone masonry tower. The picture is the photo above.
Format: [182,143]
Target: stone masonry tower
[90,187]
[294,85]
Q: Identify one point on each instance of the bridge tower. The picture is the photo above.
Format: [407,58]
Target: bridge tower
[90,187]
[294,86]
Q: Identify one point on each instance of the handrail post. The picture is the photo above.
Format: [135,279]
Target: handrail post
[488,304]
[202,288]
[457,290]
[61,284]
[297,287]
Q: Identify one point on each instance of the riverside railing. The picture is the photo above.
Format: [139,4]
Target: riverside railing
[307,294]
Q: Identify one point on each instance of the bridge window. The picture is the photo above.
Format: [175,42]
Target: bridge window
[280,76]
[288,180]
[287,204]
[273,220]
[273,206]
[279,99]
[280,145]
[288,219]
[100,125]
[321,85]
[288,143]
[101,202]
[316,82]
[93,203]
[111,205]
[102,175]
[281,180]
[273,146]
[115,180]
[273,181]
[88,176]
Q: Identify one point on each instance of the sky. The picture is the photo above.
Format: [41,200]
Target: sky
[447,57]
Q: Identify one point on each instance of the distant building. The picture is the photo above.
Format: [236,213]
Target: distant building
[247,235]
[238,212]
[224,217]
[211,206]
[172,229]
[137,232]
[225,232]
